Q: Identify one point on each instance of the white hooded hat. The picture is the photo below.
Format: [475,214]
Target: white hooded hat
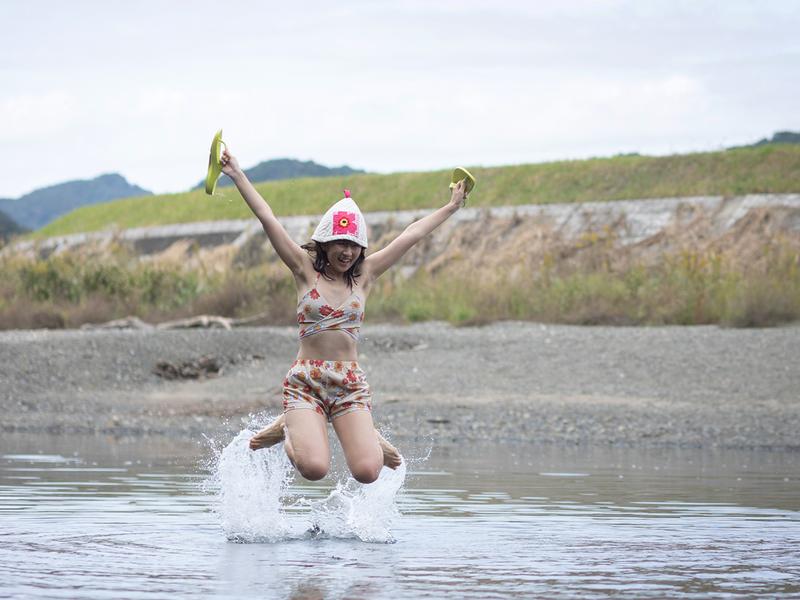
[343,221]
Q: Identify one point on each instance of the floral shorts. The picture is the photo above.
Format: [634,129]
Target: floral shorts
[331,387]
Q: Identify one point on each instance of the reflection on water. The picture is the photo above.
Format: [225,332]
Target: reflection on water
[104,518]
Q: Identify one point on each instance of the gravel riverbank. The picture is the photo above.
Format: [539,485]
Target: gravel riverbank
[688,386]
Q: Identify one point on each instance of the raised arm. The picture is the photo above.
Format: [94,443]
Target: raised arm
[376,264]
[288,250]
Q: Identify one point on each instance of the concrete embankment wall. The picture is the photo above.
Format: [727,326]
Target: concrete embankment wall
[641,219]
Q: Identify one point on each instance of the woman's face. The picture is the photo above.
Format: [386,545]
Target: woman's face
[342,254]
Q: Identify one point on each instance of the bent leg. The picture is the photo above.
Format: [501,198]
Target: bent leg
[269,436]
[391,457]
[360,444]
[307,443]
[274,433]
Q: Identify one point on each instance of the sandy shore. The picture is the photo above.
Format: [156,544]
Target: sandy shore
[692,386]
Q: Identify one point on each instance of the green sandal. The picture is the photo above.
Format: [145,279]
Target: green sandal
[461,173]
[214,166]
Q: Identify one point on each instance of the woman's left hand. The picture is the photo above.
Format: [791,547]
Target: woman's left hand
[458,198]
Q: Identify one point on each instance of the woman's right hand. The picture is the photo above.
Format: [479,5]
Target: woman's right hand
[230,166]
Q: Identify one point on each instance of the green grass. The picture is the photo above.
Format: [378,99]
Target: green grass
[685,288]
[765,169]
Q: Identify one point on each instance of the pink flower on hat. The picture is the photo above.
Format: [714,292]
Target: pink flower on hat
[344,223]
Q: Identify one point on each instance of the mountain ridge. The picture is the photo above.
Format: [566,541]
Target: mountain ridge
[43,205]
[286,168]
[9,227]
[779,137]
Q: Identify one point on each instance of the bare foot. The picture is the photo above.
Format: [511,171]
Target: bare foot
[269,436]
[391,457]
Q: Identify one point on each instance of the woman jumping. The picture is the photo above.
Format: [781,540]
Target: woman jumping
[333,279]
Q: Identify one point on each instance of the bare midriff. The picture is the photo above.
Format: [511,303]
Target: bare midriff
[328,345]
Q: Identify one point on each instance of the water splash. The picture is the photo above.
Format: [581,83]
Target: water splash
[355,510]
[256,502]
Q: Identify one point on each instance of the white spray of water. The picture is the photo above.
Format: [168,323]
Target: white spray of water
[254,500]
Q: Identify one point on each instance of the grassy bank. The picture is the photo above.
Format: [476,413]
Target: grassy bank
[683,288]
[765,169]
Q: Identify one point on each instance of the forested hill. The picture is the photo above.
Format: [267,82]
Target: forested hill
[43,205]
[8,227]
[287,168]
[779,137]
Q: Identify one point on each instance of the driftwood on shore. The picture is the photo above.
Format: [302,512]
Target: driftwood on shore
[201,321]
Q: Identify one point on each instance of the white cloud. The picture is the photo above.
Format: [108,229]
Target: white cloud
[383,86]
[31,117]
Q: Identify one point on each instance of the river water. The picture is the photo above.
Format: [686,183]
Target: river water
[95,517]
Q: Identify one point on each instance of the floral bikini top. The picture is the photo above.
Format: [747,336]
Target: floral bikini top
[315,315]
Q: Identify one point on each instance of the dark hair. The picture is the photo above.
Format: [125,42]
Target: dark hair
[320,257]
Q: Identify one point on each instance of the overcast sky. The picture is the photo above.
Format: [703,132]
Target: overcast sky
[139,88]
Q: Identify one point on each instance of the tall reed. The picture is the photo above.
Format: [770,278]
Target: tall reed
[682,288]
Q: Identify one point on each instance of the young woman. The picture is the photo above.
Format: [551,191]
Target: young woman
[334,279]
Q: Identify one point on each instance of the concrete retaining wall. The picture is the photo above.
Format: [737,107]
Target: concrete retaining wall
[643,218]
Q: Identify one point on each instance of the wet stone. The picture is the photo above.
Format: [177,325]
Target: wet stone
[203,367]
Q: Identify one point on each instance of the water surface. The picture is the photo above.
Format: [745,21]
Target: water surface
[96,517]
